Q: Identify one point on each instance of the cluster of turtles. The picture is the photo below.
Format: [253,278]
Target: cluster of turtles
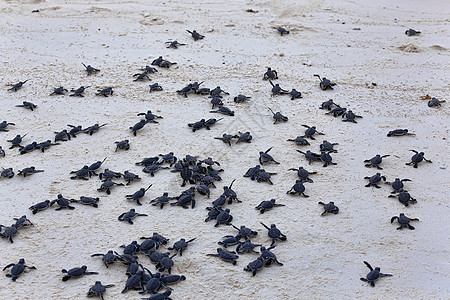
[193,171]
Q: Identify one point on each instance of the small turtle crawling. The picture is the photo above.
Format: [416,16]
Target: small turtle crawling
[29,171]
[403,221]
[17,86]
[310,131]
[274,233]
[130,215]
[79,91]
[139,125]
[397,185]
[270,74]
[417,158]
[90,69]
[277,90]
[150,117]
[300,140]
[87,201]
[265,157]
[224,217]
[373,180]
[295,94]
[174,44]
[155,87]
[241,98]
[399,132]
[329,208]
[244,137]
[141,76]
[298,189]
[40,206]
[108,258]
[197,36]
[181,245]
[310,156]
[107,185]
[9,232]
[282,31]
[7,173]
[59,91]
[266,205]
[105,92]
[122,145]
[375,161]
[76,272]
[435,102]
[22,222]
[226,138]
[129,177]
[328,104]
[28,105]
[278,117]
[223,110]
[228,256]
[98,289]
[350,116]
[62,203]
[325,83]
[303,174]
[410,32]
[4,125]
[138,195]
[373,275]
[94,128]
[247,247]
[18,269]
[404,197]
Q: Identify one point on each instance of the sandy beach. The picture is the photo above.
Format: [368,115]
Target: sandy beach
[380,74]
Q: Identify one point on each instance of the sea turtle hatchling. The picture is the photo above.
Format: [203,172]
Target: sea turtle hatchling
[76,272]
[22,222]
[224,217]
[138,194]
[17,86]
[105,92]
[150,117]
[7,173]
[337,111]
[245,232]
[310,156]
[28,171]
[149,69]
[417,158]
[268,256]
[244,137]
[411,32]
[247,247]
[197,36]
[278,117]
[90,69]
[79,91]
[282,31]
[404,197]
[107,185]
[403,221]
[9,232]
[139,125]
[141,76]
[310,131]
[267,205]
[95,166]
[435,102]
[160,296]
[46,145]
[129,177]
[374,180]
[174,44]
[303,174]
[265,157]
[329,208]
[295,94]
[217,92]
[75,130]
[277,90]
[62,203]
[325,83]
[300,140]
[87,201]
[241,98]
[274,233]
[40,206]
[98,289]
[17,269]
[229,240]
[4,125]
[223,110]
[82,173]
[155,87]
[62,135]
[16,141]
[94,128]
[373,275]
[264,176]
[349,116]
[399,132]
[397,185]
[327,146]
[298,189]
[329,104]
[180,245]
[108,258]
[326,158]
[226,138]
[255,266]
[228,256]
[270,74]
[375,161]
[59,91]
[122,145]
[130,215]
[28,105]
[216,102]
[28,148]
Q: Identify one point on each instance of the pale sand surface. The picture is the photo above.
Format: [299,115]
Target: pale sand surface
[323,256]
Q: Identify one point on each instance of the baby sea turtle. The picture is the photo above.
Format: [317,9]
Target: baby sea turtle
[98,289]
[337,111]
[265,157]
[278,117]
[22,222]
[397,185]
[46,145]
[277,90]
[148,161]
[264,176]
[90,69]
[28,105]
[107,185]
[270,74]
[229,240]
[435,102]
[217,92]
[152,169]
[373,275]
[241,98]
[404,197]
[325,83]
[9,232]
[137,126]
[350,116]
[105,92]
[166,64]
[244,137]
[327,146]
[7,173]
[149,69]
[17,269]
[59,91]
[181,245]
[79,91]
[162,200]
[295,94]
[134,281]
[174,44]
[141,77]
[95,166]
[329,208]
[150,117]
[4,125]
[300,140]
[122,145]
[255,266]
[298,189]
[274,233]
[310,156]
[138,195]
[247,247]
[130,215]
[326,158]
[76,272]
[245,232]
[399,132]
[29,171]
[109,174]
[155,87]
[417,158]
[411,32]
[82,173]
[403,221]
[197,36]
[228,256]
[216,102]
[266,205]
[17,86]
[129,177]
[16,141]
[224,217]
[28,148]
[160,296]
[282,31]
[223,110]
[268,256]
[62,135]
[226,138]
[87,201]
[40,206]
[310,131]
[373,180]
[328,104]
[75,130]
[94,128]
[375,161]
[303,174]
[62,202]
[108,258]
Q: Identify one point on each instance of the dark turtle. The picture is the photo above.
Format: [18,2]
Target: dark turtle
[411,32]
[153,285]
[16,141]
[350,116]
[197,36]
[373,180]
[147,245]
[162,200]
[62,202]
[228,256]
[152,169]
[17,86]
[181,245]
[327,146]
[133,269]
[87,201]
[138,195]
[282,31]
[241,98]
[29,171]
[399,132]
[186,174]
[141,76]
[404,197]
[274,233]
[130,215]
[4,125]
[105,92]
[174,44]
[298,189]
[93,129]
[28,105]
[266,205]
[229,240]
[160,296]
[22,222]
[253,172]
[247,247]
[417,158]
[265,158]
[295,94]
[7,173]
[278,117]
[435,102]
[310,131]
[375,161]
[300,140]
[229,194]
[373,275]
[337,111]
[216,102]
[133,281]
[268,256]
[149,69]
[245,232]
[326,158]
[129,177]
[59,91]
[264,176]
[107,185]
[131,248]
[328,104]
[197,125]
[166,64]
[167,279]
[40,206]
[185,199]
[62,136]
[203,189]
[211,122]
[28,148]
[217,92]
[45,145]
[303,174]
[90,69]
[277,90]
[76,272]
[204,91]
[137,126]
[255,266]
[17,269]
[148,161]
[219,202]
[159,239]
[329,208]
[244,137]
[213,212]
[79,91]
[310,156]
[122,145]
[95,166]
[223,110]
[403,221]
[397,185]
[325,83]
[150,117]
[226,138]
[2,152]
[196,86]
[155,87]
[157,62]
[9,232]
[82,173]
[156,256]
[75,130]
[224,217]
[270,74]
[98,289]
